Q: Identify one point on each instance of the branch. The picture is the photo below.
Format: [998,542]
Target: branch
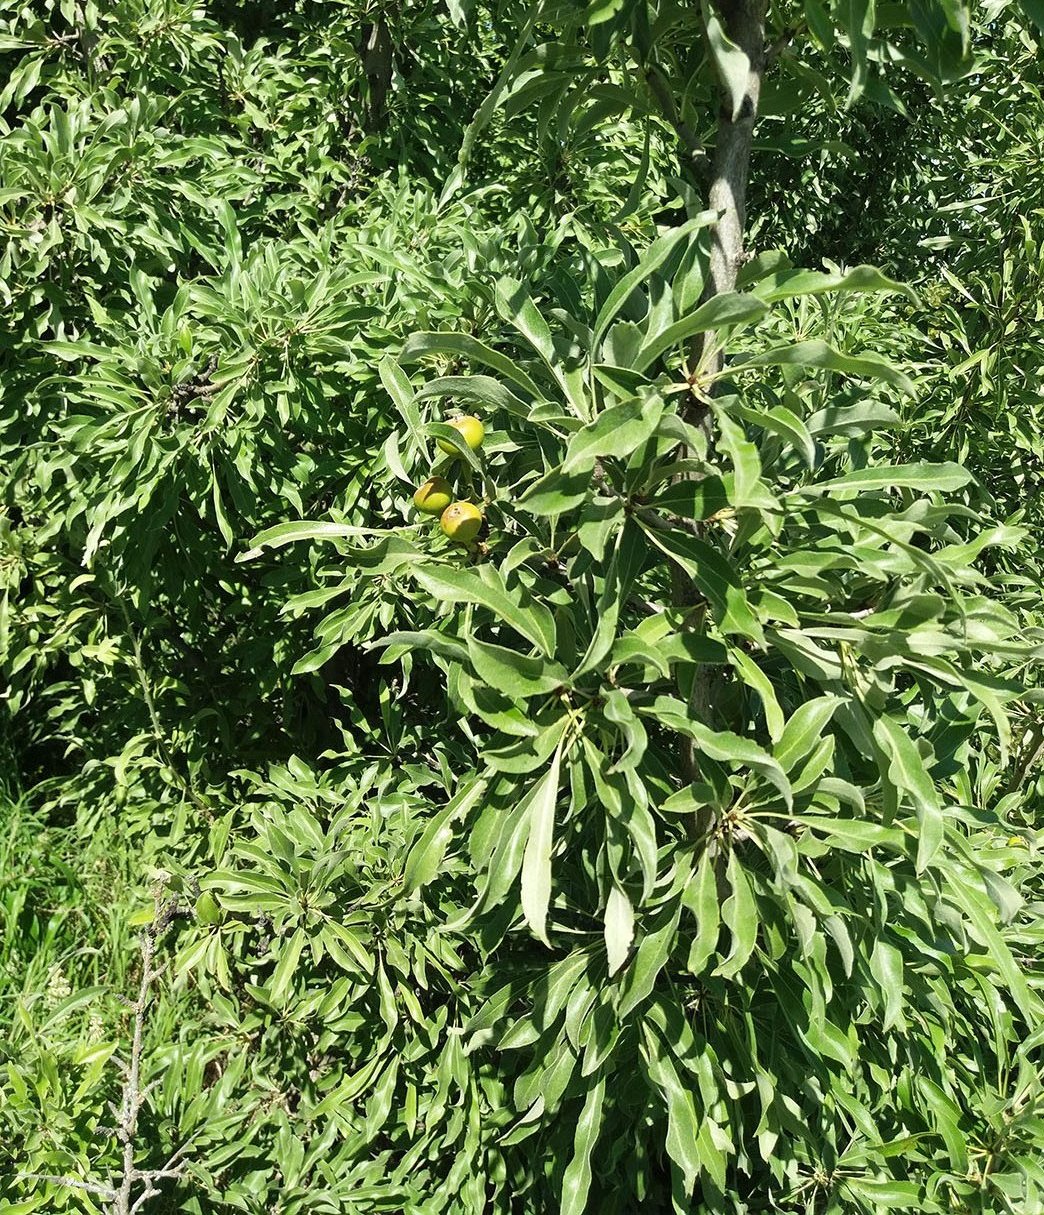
[71,1183]
[121,1198]
[695,154]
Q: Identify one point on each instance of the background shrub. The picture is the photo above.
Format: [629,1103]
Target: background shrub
[675,847]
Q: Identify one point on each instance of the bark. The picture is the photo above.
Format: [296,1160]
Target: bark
[744,22]
[377,53]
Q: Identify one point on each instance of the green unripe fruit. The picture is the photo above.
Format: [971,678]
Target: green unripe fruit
[433,496]
[471,431]
[461,522]
[208,910]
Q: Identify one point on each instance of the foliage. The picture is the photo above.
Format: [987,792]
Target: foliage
[672,847]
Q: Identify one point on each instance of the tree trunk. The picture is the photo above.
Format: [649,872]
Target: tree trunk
[744,23]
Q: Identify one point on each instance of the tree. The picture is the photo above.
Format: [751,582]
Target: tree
[654,852]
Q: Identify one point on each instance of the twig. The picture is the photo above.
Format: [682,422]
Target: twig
[70,1183]
[691,143]
[121,1198]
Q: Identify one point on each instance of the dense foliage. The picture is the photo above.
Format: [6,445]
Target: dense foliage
[672,847]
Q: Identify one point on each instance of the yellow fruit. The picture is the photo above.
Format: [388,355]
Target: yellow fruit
[461,522]
[471,431]
[208,910]
[1016,841]
[433,496]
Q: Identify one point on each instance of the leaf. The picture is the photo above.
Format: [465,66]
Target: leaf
[482,389]
[618,928]
[720,745]
[651,957]
[804,730]
[907,772]
[739,913]
[726,309]
[715,577]
[788,284]
[518,309]
[554,493]
[421,345]
[576,1181]
[516,675]
[756,679]
[427,854]
[881,1194]
[819,354]
[286,967]
[401,392]
[651,260]
[854,835]
[701,898]
[617,431]
[536,863]
[730,60]
[289,533]
[683,1129]
[462,586]
[886,965]
[937,478]
[530,752]
[430,639]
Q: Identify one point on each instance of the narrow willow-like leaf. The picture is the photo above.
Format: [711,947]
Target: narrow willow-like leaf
[462,586]
[426,856]
[576,1181]
[618,928]
[536,863]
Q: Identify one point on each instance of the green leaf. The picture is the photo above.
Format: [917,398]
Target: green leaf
[401,392]
[461,345]
[554,493]
[727,309]
[430,639]
[516,307]
[616,432]
[514,674]
[819,354]
[739,913]
[462,586]
[701,898]
[715,577]
[756,679]
[481,389]
[907,772]
[427,854]
[886,965]
[788,284]
[933,478]
[651,260]
[289,533]
[652,955]
[576,1181]
[286,967]
[730,60]
[720,745]
[618,928]
[683,1128]
[804,730]
[885,1194]
[536,863]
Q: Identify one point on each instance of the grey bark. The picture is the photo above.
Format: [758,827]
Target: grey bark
[744,23]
